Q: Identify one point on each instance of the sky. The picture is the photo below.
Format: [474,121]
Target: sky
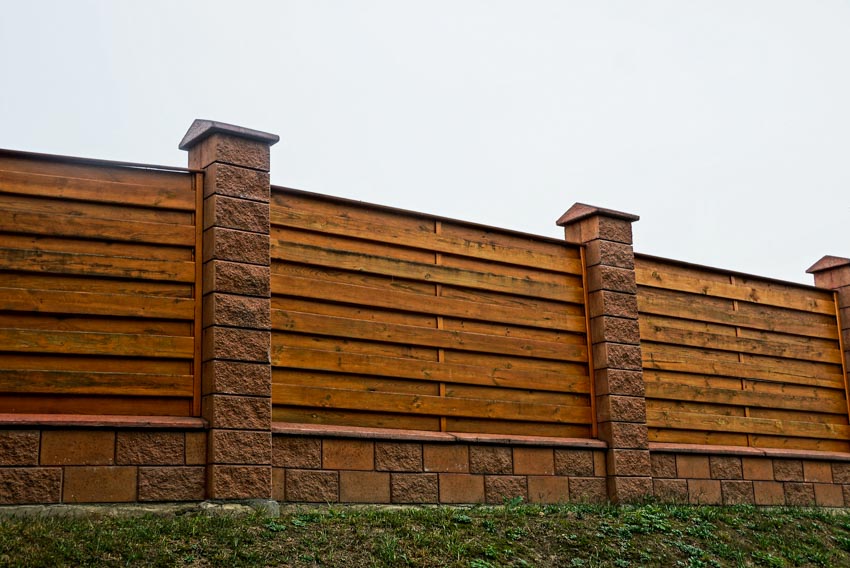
[724,124]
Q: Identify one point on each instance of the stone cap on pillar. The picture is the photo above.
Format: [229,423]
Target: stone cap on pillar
[202,129]
[831,272]
[584,223]
[827,263]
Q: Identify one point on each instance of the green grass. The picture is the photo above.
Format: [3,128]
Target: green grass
[478,537]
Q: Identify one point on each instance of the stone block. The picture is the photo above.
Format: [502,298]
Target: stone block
[234,344]
[726,467]
[236,246]
[619,382]
[461,488]
[799,494]
[278,484]
[225,149]
[630,463]
[233,377]
[490,459]
[237,412]
[19,447]
[77,447]
[704,492]
[769,493]
[588,490]
[629,489]
[575,463]
[617,356]
[611,278]
[414,488]
[608,303]
[548,489]
[26,485]
[301,453]
[663,465]
[237,278]
[239,481]
[829,495]
[312,486]
[196,448]
[246,312]
[534,461]
[787,470]
[692,467]
[172,483]
[670,490]
[364,487]
[348,454]
[500,489]
[446,458]
[617,408]
[758,469]
[626,435]
[397,456]
[841,472]
[150,448]
[614,329]
[737,492]
[248,447]
[234,181]
[99,484]
[235,213]
[819,472]
[611,253]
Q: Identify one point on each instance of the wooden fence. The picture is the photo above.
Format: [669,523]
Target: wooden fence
[735,360]
[390,319]
[98,302]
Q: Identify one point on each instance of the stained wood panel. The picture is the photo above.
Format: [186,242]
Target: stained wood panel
[393,319]
[97,288]
[736,360]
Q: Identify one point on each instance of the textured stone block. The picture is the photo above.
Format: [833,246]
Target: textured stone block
[704,492]
[548,489]
[413,488]
[233,377]
[302,453]
[629,489]
[611,278]
[576,463]
[150,448]
[241,447]
[799,494]
[769,493]
[237,278]
[235,213]
[617,356]
[233,181]
[239,481]
[501,488]
[364,487]
[627,435]
[588,490]
[828,495]
[348,454]
[24,485]
[226,149]
[236,246]
[632,463]
[99,484]
[77,447]
[611,253]
[614,329]
[599,227]
[196,448]
[617,304]
[663,465]
[461,488]
[616,408]
[172,483]
[312,486]
[692,467]
[236,344]
[247,312]
[19,447]
[397,456]
[788,470]
[237,412]
[619,382]
[490,459]
[670,490]
[445,458]
[841,472]
[737,492]
[819,472]
[534,461]
[758,469]
[726,467]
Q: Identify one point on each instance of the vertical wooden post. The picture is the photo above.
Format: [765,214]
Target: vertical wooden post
[615,338]
[236,370]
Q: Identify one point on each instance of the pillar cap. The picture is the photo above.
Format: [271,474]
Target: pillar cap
[581,211]
[828,263]
[201,129]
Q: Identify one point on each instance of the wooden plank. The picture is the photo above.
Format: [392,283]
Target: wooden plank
[50,322]
[98,190]
[501,361]
[517,302]
[693,407]
[516,395]
[413,335]
[744,398]
[693,421]
[342,259]
[349,345]
[325,307]
[118,384]
[281,236]
[333,275]
[97,248]
[807,349]
[316,397]
[112,405]
[695,437]
[94,228]
[823,417]
[832,395]
[415,302]
[673,278]
[514,271]
[94,265]
[84,209]
[351,382]
[72,363]
[515,428]
[799,444]
[354,418]
[95,285]
[517,332]
[65,302]
[432,371]
[657,301]
[86,343]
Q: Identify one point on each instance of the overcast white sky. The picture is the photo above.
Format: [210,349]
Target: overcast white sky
[724,124]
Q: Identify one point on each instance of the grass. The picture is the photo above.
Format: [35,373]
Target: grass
[478,537]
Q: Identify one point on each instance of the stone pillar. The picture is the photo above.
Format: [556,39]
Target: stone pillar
[236,373]
[833,273]
[615,337]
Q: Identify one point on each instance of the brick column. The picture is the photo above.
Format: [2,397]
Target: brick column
[236,391]
[615,337]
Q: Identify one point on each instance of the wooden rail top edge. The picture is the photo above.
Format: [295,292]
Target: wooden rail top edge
[101,421]
[96,161]
[664,447]
[392,434]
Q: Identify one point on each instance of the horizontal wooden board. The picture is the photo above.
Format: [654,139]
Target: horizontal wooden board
[33,281]
[517,332]
[86,343]
[833,394]
[693,421]
[696,437]
[672,392]
[422,303]
[786,443]
[67,302]
[111,405]
[529,304]
[94,265]
[91,364]
[675,278]
[355,278]
[429,405]
[369,364]
[350,345]
[75,382]
[51,322]
[98,190]
[298,415]
[342,259]
[392,333]
[97,248]
[514,428]
[515,395]
[311,378]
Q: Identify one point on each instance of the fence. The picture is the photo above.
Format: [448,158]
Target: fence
[172,334]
